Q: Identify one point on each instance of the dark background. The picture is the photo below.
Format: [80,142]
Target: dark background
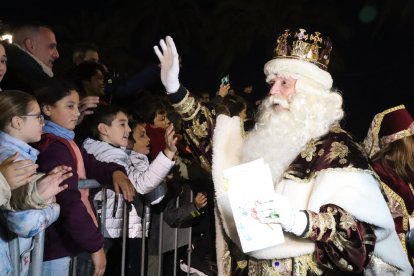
[371,61]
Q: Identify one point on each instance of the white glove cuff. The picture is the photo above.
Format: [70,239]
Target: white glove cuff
[300,221]
[172,87]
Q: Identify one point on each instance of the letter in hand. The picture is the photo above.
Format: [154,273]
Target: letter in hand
[170,65]
[18,173]
[122,184]
[274,209]
[265,211]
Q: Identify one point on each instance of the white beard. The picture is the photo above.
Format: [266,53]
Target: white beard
[280,136]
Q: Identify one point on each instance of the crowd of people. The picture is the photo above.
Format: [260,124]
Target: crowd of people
[344,206]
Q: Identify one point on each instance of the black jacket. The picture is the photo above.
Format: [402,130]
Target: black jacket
[23,71]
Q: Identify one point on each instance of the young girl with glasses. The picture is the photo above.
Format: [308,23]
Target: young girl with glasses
[26,210]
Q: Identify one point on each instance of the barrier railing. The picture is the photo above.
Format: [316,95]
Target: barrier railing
[38,241]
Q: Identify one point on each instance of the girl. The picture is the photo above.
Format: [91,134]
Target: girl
[76,229]
[21,123]
[110,131]
[390,145]
[153,111]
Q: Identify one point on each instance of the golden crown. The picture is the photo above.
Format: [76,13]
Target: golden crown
[308,47]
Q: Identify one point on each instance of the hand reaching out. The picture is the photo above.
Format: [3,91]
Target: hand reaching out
[200,200]
[170,142]
[170,67]
[18,173]
[86,106]
[50,185]
[122,184]
[223,90]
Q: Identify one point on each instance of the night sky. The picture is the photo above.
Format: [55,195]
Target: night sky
[371,62]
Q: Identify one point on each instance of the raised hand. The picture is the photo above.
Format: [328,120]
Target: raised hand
[86,106]
[50,185]
[223,90]
[200,200]
[122,184]
[170,142]
[170,65]
[18,173]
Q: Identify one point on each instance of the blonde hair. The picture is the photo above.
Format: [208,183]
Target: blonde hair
[399,156]
[13,103]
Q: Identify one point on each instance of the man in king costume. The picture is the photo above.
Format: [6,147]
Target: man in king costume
[328,200]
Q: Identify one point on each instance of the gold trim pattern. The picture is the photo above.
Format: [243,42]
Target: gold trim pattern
[188,107]
[390,192]
[338,149]
[298,266]
[405,215]
[398,135]
[320,223]
[372,141]
[309,152]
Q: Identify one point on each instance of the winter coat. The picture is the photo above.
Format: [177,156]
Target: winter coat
[23,212]
[146,178]
[75,231]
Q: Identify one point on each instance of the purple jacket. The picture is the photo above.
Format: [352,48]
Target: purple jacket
[74,231]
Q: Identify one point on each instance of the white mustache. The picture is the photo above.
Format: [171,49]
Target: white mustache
[280,100]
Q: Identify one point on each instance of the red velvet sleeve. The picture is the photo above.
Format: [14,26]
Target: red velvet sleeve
[342,242]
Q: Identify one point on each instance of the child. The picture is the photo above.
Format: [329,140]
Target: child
[76,229]
[183,216]
[21,123]
[154,113]
[110,132]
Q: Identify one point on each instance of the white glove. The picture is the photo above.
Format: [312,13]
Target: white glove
[170,66]
[277,209]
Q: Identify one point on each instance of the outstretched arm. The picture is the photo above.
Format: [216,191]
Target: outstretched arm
[170,67]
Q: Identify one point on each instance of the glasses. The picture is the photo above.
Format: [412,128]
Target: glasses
[40,117]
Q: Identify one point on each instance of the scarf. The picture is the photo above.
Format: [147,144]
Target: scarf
[11,145]
[51,127]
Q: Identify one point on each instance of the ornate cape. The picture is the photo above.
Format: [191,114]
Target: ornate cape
[400,200]
[340,237]
[331,180]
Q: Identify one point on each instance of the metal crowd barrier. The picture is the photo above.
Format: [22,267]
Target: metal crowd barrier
[38,241]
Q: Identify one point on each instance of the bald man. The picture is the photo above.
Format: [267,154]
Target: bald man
[30,58]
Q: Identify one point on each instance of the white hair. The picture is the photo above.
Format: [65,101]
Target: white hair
[280,136]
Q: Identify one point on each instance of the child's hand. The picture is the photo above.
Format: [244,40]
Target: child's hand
[99,262]
[223,90]
[86,106]
[18,173]
[200,200]
[123,184]
[170,142]
[49,185]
